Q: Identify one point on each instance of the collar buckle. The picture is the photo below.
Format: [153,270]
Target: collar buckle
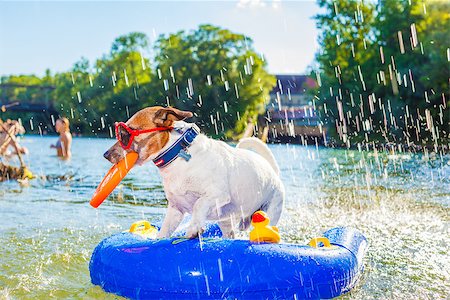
[185,155]
[179,148]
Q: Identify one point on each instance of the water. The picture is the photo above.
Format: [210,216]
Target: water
[400,202]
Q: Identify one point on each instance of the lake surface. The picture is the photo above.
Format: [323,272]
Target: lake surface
[399,201]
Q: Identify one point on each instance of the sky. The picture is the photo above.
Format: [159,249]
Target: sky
[40,35]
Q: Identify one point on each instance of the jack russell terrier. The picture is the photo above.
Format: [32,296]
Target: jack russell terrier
[203,177]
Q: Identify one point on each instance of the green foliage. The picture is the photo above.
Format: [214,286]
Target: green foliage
[374,87]
[18,92]
[211,71]
[214,73]
[95,97]
[132,42]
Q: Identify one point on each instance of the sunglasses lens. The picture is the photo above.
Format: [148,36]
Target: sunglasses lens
[123,136]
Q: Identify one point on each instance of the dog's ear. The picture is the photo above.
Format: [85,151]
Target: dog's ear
[166,116]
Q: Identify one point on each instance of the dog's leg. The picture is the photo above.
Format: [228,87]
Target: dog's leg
[226,226]
[275,206]
[244,223]
[172,219]
[202,208]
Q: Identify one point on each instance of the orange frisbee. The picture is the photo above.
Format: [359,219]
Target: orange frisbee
[113,178]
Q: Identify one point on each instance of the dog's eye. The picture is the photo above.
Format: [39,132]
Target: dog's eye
[124,136]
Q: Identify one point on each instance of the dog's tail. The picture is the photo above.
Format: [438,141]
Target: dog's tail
[256,145]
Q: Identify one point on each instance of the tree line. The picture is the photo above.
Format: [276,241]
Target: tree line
[383,71]
[211,71]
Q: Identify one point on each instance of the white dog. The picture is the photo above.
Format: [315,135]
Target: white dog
[203,177]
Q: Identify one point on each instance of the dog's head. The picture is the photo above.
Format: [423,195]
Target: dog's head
[148,143]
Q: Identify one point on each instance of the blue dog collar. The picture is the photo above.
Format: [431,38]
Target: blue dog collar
[178,149]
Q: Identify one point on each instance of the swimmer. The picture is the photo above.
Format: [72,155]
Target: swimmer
[9,130]
[64,142]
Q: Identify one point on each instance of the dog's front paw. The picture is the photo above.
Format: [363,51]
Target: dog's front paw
[194,231]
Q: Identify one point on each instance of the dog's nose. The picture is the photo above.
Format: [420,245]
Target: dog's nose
[106,154]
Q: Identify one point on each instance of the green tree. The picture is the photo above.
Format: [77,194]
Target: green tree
[214,73]
[391,89]
[434,32]
[110,90]
[211,71]
[27,89]
[132,42]
[346,36]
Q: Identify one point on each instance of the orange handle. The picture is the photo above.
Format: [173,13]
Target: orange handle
[113,178]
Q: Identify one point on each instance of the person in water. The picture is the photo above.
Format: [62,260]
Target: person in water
[65,138]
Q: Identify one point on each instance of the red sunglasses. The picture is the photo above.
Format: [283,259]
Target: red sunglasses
[125,134]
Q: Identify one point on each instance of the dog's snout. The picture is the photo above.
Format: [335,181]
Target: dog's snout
[114,154]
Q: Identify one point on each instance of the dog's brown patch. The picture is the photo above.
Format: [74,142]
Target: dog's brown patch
[151,143]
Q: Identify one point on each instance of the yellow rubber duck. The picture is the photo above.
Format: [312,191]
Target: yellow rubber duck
[262,232]
[27,173]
